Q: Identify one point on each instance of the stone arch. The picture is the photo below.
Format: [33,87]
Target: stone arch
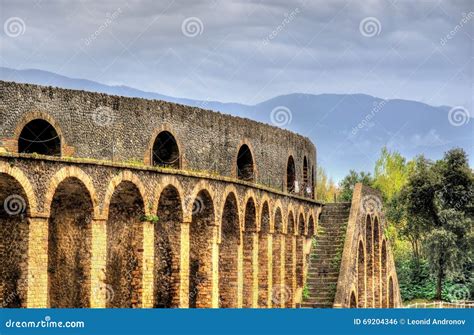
[71,211]
[353,300]
[228,251]
[384,262]
[391,302]
[306,176]
[369,234]
[245,164]
[124,267]
[290,175]
[15,205]
[167,238]
[290,258]
[24,182]
[263,259]
[202,234]
[376,265]
[169,129]
[249,239]
[311,229]
[278,249]
[125,176]
[361,275]
[194,203]
[71,172]
[277,226]
[21,137]
[165,151]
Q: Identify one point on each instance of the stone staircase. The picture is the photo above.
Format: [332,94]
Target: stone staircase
[325,257]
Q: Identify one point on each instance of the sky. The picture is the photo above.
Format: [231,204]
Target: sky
[250,51]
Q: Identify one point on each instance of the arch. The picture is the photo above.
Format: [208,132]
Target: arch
[228,251]
[290,175]
[290,258]
[40,137]
[311,229]
[391,303]
[165,151]
[376,264]
[250,229]
[277,218]
[19,177]
[69,243]
[167,233]
[200,250]
[361,276]
[14,235]
[245,164]
[263,259]
[71,172]
[124,268]
[313,178]
[369,233]
[353,300]
[384,261]
[306,177]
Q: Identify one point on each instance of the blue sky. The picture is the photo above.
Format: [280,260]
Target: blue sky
[249,51]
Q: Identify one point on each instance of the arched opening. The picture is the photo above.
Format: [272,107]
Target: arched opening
[310,227]
[39,136]
[384,275]
[369,256]
[69,245]
[263,258]
[167,248]
[290,175]
[313,178]
[245,170]
[14,229]
[391,303]
[353,303]
[250,227]
[299,252]
[228,251]
[277,260]
[306,184]
[376,265]
[125,246]
[166,151]
[290,260]
[200,253]
[361,275]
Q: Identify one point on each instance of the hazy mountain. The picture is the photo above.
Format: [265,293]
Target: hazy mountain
[348,129]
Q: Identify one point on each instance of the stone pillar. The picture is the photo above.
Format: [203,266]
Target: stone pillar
[148,264]
[270,268]
[293,271]
[100,292]
[240,270]
[38,262]
[215,267]
[184,266]
[255,270]
[282,270]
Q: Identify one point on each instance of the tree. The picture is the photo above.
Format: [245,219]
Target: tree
[438,200]
[326,190]
[346,186]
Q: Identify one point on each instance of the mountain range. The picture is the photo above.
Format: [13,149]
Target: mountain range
[348,130]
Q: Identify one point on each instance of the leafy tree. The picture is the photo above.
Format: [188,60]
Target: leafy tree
[346,186]
[326,189]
